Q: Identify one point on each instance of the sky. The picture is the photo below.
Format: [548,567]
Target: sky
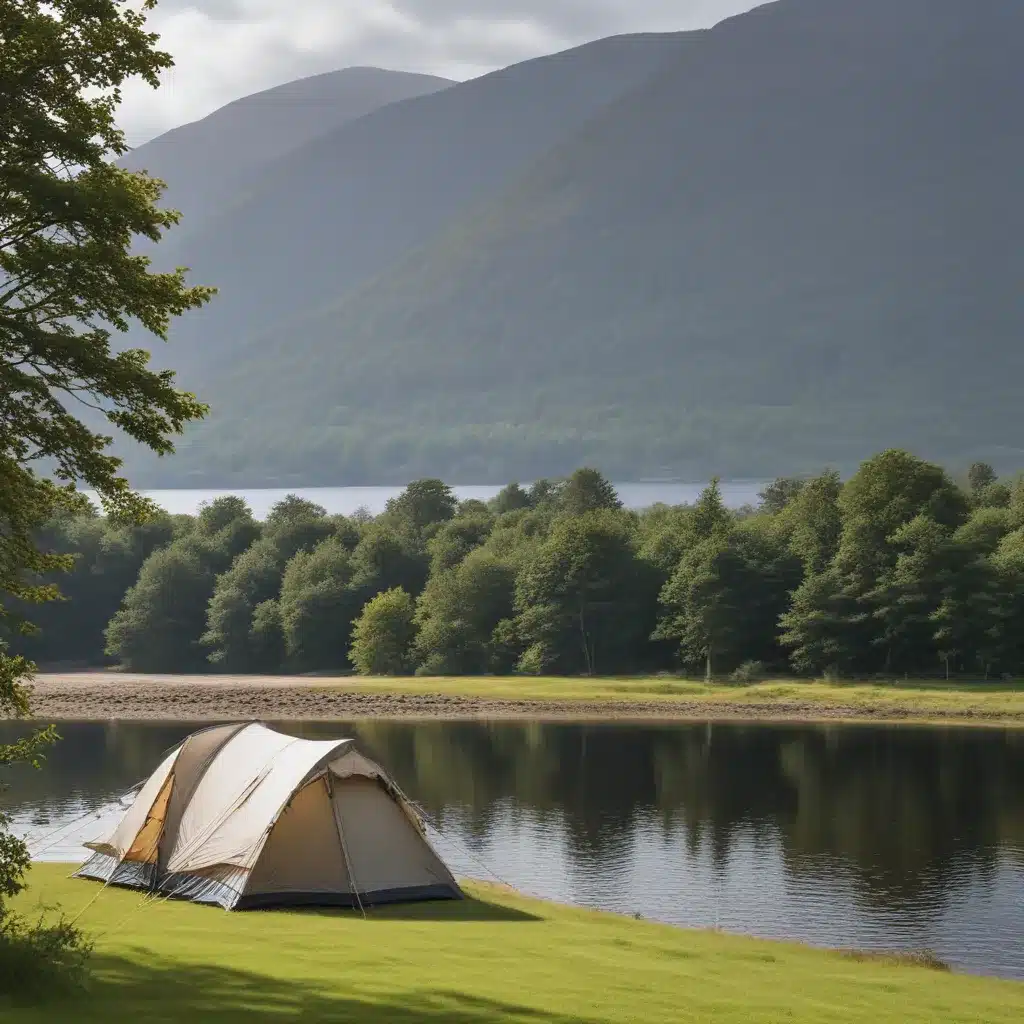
[225,49]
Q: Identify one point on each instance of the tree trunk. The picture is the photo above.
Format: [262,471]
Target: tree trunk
[707,667]
[588,665]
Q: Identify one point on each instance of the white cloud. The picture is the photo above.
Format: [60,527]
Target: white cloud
[224,49]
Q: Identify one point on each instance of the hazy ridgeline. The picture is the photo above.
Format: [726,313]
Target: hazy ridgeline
[901,570]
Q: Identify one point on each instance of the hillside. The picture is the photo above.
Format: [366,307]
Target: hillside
[333,213]
[797,243]
[207,161]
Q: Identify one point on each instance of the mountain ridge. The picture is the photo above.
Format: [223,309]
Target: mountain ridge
[202,160]
[792,245]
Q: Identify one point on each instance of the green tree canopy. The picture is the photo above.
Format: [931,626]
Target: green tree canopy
[159,622]
[68,281]
[584,598]
[293,525]
[455,539]
[383,635]
[158,627]
[423,506]
[722,604]
[458,614]
[587,490]
[318,605]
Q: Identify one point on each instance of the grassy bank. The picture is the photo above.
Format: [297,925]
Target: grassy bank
[104,695]
[497,957]
[924,700]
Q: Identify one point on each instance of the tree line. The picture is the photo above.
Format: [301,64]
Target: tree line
[898,571]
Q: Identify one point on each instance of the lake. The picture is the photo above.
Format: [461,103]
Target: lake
[845,836]
[346,500]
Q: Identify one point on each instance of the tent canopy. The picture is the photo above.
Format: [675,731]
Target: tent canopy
[245,816]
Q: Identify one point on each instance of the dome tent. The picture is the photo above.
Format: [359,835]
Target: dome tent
[244,816]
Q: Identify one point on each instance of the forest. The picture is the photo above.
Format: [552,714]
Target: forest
[898,571]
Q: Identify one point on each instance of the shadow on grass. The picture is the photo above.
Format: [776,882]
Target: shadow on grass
[467,909]
[152,990]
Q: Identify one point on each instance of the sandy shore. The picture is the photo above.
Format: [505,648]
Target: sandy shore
[101,696]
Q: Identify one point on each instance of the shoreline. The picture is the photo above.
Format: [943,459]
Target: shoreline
[105,696]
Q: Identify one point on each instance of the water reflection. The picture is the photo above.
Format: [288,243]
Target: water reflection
[874,837]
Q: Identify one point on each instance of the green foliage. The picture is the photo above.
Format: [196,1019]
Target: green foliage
[710,516]
[41,960]
[813,627]
[586,490]
[583,599]
[749,672]
[980,477]
[317,607]
[780,493]
[69,279]
[387,558]
[722,605]
[510,499]
[294,525]
[383,635]
[163,616]
[456,539]
[164,613]
[895,572]
[423,506]
[266,636]
[458,615]
[813,521]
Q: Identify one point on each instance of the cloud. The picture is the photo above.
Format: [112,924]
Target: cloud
[224,49]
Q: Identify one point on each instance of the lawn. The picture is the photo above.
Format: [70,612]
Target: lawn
[496,957]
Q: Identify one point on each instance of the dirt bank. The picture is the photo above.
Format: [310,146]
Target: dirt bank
[101,696]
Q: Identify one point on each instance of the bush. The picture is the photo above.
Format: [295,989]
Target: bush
[749,672]
[383,635]
[41,960]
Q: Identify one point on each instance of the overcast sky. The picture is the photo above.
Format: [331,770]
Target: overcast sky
[225,49]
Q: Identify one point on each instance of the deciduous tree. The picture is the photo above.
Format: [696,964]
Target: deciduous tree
[68,281]
[383,635]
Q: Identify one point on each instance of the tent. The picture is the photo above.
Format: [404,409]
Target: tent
[244,816]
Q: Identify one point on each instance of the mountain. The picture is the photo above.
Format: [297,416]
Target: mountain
[205,161]
[796,243]
[330,215]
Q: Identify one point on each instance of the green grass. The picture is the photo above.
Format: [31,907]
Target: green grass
[495,958]
[925,701]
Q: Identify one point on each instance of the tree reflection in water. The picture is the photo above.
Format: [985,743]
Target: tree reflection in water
[899,810]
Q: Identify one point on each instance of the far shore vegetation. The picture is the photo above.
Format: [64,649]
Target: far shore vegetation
[901,573]
[494,957]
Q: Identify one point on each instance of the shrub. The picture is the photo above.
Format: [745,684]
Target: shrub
[749,672]
[42,959]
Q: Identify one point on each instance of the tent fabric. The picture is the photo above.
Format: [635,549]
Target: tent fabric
[195,757]
[121,839]
[245,816]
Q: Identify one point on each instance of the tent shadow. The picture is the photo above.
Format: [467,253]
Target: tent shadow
[144,988]
[467,909]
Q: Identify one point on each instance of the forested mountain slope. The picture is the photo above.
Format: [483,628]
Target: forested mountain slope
[330,215]
[798,242]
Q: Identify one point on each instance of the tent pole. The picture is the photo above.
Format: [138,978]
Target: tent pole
[344,847]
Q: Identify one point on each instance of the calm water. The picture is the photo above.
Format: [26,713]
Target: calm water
[346,500]
[844,836]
